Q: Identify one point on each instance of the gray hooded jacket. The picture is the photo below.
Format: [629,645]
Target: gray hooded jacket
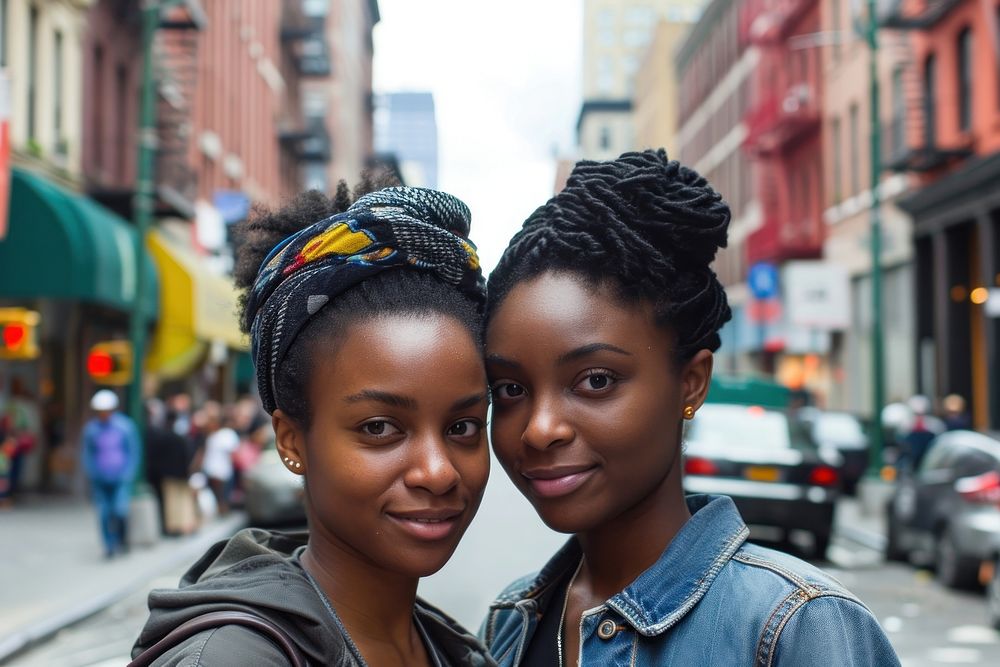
[258,571]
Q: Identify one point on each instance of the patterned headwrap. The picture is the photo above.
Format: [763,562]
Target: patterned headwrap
[392,228]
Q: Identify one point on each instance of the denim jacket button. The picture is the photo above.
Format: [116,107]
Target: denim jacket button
[607,629]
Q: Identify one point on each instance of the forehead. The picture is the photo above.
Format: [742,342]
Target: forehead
[559,311]
[405,351]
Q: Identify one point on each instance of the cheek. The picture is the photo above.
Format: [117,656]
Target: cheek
[506,428]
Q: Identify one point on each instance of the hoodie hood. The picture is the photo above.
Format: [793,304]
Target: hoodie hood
[258,571]
[254,571]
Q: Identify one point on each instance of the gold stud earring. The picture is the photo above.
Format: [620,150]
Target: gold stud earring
[688,412]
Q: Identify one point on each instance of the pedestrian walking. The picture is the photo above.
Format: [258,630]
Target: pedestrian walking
[221,442]
[365,324]
[20,424]
[916,434]
[168,459]
[603,316]
[955,416]
[111,451]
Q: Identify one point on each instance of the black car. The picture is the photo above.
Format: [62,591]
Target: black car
[946,514]
[845,433]
[768,464]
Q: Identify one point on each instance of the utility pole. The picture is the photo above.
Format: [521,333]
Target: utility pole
[142,207]
[878,362]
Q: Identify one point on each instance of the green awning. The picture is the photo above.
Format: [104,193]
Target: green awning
[62,245]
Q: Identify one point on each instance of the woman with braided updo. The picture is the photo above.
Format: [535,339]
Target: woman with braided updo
[365,321]
[602,317]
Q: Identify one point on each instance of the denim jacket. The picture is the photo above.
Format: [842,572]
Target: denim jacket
[710,599]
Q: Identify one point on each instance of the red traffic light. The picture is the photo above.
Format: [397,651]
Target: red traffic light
[14,333]
[100,364]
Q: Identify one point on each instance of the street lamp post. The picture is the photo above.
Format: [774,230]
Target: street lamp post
[878,362]
[143,210]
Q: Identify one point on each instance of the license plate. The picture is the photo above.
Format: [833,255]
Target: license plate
[762,473]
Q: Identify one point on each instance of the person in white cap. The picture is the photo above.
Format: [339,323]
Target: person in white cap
[111,450]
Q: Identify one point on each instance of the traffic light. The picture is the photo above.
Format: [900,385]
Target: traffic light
[110,362]
[18,333]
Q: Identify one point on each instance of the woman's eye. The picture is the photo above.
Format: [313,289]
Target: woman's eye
[508,390]
[465,428]
[379,429]
[597,381]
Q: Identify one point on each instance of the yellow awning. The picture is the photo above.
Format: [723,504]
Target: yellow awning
[197,308]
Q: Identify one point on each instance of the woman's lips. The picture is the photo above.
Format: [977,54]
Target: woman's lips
[429,525]
[556,482]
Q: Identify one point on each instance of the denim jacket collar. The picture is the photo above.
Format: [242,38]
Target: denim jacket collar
[661,595]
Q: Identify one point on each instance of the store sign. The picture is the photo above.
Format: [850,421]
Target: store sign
[816,295]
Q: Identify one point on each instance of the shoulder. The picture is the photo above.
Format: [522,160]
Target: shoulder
[225,646]
[807,613]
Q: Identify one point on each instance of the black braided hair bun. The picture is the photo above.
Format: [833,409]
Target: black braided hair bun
[644,224]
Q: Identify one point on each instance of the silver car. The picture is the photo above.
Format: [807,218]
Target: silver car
[947,513]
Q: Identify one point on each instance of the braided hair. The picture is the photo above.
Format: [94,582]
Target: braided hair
[642,224]
[400,291]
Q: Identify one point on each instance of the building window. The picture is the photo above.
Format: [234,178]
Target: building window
[930,98]
[606,28]
[606,75]
[57,85]
[898,128]
[97,111]
[3,33]
[854,149]
[32,71]
[123,126]
[836,142]
[836,28]
[965,60]
[605,141]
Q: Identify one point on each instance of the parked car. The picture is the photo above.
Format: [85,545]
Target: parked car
[845,433]
[993,586]
[767,463]
[272,493]
[947,513]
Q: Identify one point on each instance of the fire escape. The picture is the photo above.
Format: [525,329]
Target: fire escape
[911,141]
[176,74]
[785,116]
[305,137]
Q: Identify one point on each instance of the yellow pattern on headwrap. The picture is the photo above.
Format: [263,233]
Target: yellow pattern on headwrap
[473,257]
[338,240]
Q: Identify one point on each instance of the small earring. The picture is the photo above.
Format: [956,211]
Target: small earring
[688,412]
[291,463]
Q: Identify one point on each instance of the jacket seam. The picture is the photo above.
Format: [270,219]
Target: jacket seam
[777,569]
[727,553]
[795,610]
[775,622]
[635,648]
[204,644]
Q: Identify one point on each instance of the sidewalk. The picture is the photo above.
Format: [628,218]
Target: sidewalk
[862,519]
[53,574]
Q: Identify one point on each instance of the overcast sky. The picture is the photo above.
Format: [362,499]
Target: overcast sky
[506,83]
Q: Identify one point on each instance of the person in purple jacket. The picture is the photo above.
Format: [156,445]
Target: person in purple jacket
[111,451]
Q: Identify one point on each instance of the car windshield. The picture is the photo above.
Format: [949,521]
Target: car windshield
[839,427]
[718,425]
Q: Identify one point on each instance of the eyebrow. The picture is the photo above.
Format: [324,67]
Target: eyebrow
[468,402]
[585,350]
[407,403]
[501,361]
[394,400]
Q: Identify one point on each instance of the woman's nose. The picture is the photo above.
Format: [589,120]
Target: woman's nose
[432,468]
[547,426]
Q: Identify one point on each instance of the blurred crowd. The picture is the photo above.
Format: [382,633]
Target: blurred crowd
[196,457]
[910,426]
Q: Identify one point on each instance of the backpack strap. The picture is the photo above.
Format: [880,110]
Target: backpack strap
[217,619]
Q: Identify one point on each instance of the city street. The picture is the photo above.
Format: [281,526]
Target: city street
[928,624]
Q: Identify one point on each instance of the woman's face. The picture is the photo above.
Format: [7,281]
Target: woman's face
[587,401]
[396,458]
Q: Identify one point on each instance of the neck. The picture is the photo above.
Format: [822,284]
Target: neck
[376,606]
[617,552]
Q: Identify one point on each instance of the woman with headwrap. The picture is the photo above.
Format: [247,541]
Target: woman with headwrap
[365,324]
[603,315]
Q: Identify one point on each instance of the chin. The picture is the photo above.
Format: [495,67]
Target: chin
[566,519]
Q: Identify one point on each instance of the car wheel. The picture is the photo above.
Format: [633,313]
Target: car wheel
[993,596]
[893,549]
[953,569]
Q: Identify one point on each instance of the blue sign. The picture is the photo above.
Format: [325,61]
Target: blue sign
[762,280]
[232,205]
